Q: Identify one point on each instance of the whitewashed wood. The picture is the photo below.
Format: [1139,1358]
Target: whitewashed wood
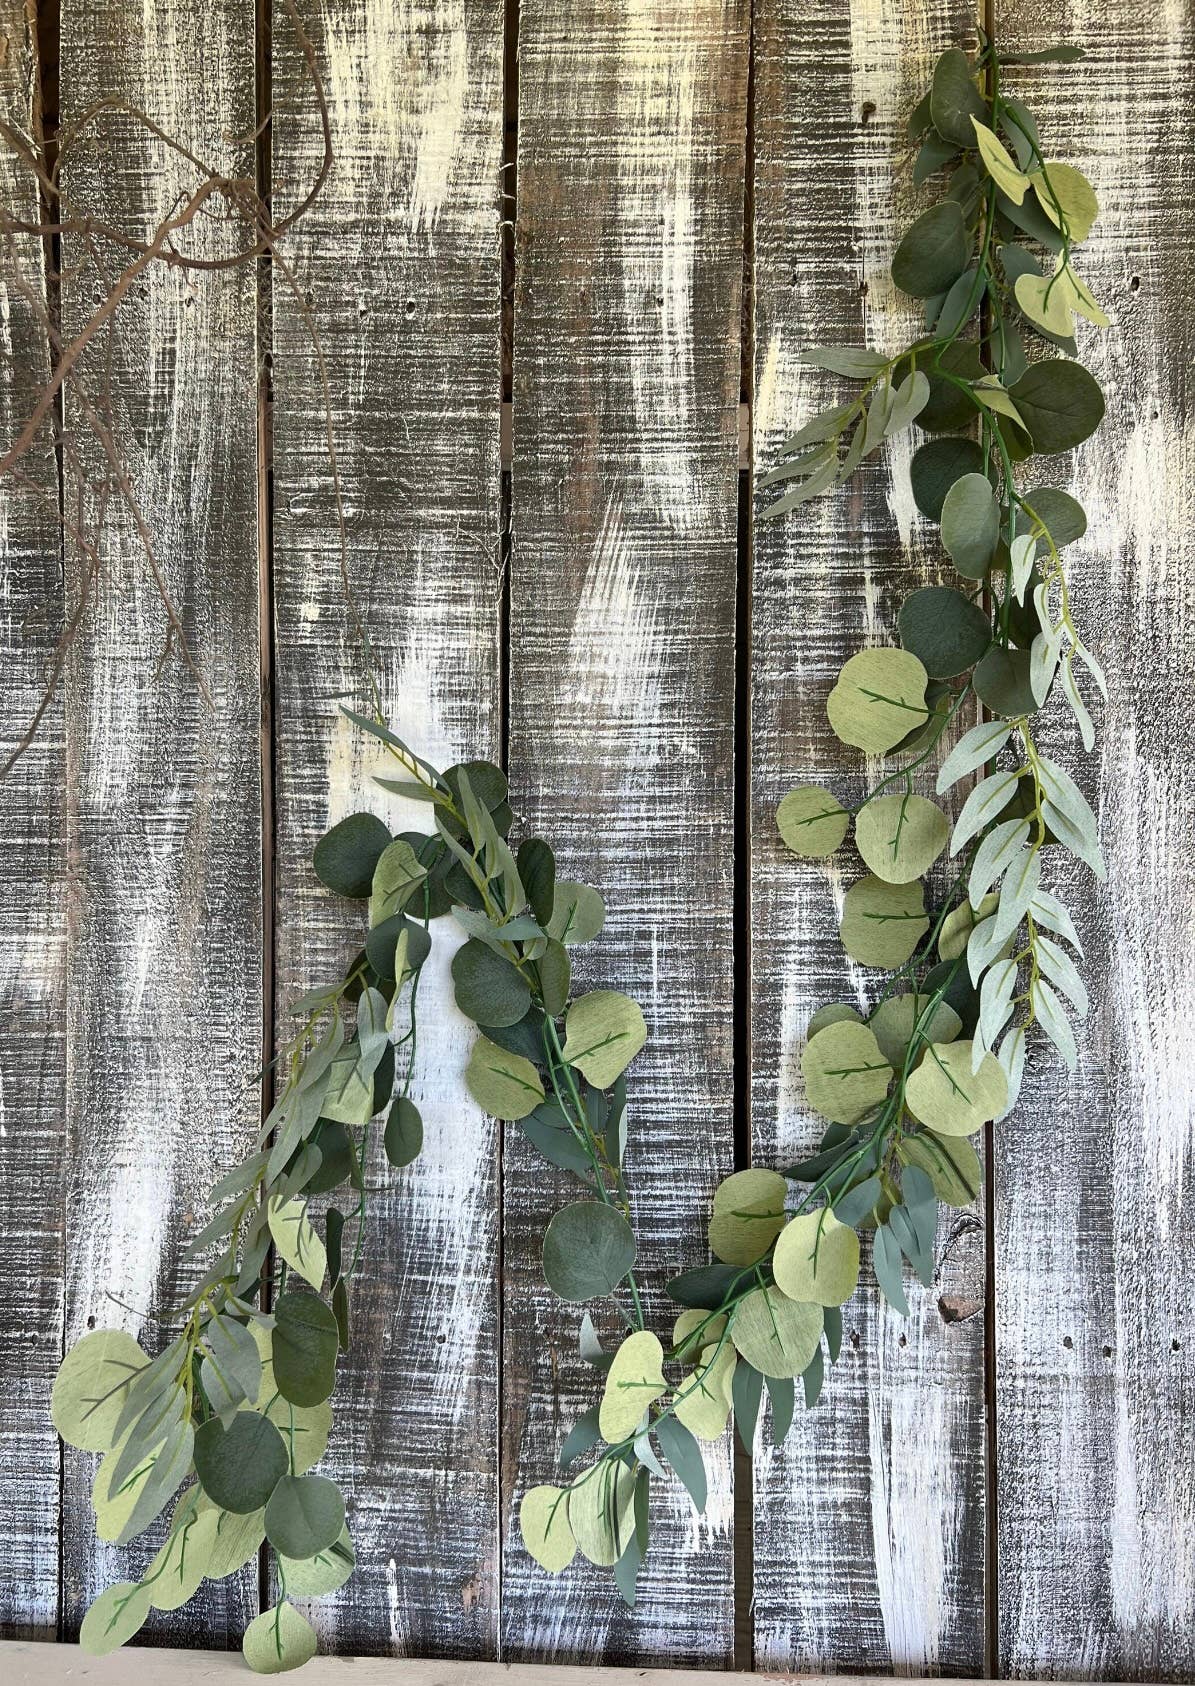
[32,927]
[632,122]
[163,802]
[869,1526]
[1095,1349]
[401,259]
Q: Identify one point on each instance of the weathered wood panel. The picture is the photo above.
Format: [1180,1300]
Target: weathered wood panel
[401,260]
[164,814]
[32,927]
[1095,1188]
[869,1536]
[632,123]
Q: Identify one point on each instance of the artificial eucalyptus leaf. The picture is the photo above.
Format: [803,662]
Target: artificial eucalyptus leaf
[703,1400]
[845,1073]
[949,407]
[239,1466]
[996,161]
[1057,514]
[489,989]
[278,1640]
[936,466]
[776,1335]
[704,1287]
[933,253]
[114,1617]
[812,822]
[403,1137]
[346,857]
[578,914]
[748,1215]
[971,525]
[634,1381]
[954,99]
[303,1349]
[883,923]
[817,1259]
[604,1031]
[946,631]
[588,1249]
[296,1240]
[1067,198]
[944,1093]
[878,698]
[601,1511]
[951,1164]
[545,1527]
[900,837]
[91,1387]
[503,1084]
[304,1515]
[325,1572]
[1002,681]
[1060,403]
[896,1019]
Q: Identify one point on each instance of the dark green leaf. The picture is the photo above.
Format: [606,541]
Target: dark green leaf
[1063,516]
[338,1161]
[525,1038]
[340,1310]
[954,98]
[239,1466]
[555,976]
[834,1331]
[305,1515]
[547,1130]
[304,1348]
[932,156]
[403,1138]
[1001,681]
[933,253]
[333,1232]
[960,304]
[588,1249]
[812,1377]
[971,525]
[346,856]
[1061,404]
[489,990]
[953,979]
[949,409]
[935,468]
[681,1449]
[1031,220]
[746,1391]
[703,1288]
[382,941]
[537,869]
[783,1396]
[945,631]
[383,1080]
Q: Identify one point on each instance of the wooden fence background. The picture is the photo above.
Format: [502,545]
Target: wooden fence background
[626,217]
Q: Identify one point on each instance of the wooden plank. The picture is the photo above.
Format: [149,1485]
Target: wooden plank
[1095,1350]
[32,928]
[632,122]
[402,260]
[164,814]
[869,1538]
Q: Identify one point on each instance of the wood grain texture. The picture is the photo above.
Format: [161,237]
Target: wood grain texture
[401,260]
[32,927]
[164,814]
[632,126]
[869,1536]
[1095,1177]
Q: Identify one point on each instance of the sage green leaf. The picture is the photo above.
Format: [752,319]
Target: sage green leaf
[396,877]
[604,1031]
[121,1515]
[952,1166]
[1060,403]
[114,1618]
[954,99]
[1001,680]
[812,822]
[996,853]
[304,1429]
[981,807]
[694,1330]
[489,989]
[834,1013]
[958,307]
[91,1387]
[545,1527]
[1053,1020]
[886,1262]
[578,914]
[305,1515]
[1011,1056]
[1021,881]
[503,1084]
[911,397]
[278,1640]
[983,947]
[933,252]
[296,1240]
[346,857]
[1057,514]
[853,362]
[1059,968]
[845,1073]
[634,1380]
[325,1572]
[878,699]
[1021,129]
[239,1466]
[975,748]
[958,925]
[817,1259]
[995,1005]
[936,466]
[403,1138]
[895,1020]
[237,1541]
[826,424]
[776,1335]
[703,1400]
[1047,910]
[555,977]
[950,408]
[900,837]
[998,164]
[348,1097]
[945,1094]
[945,631]
[883,923]
[601,1511]
[175,1574]
[1067,198]
[303,1349]
[1030,219]
[705,1287]
[971,525]
[748,1215]
[588,1249]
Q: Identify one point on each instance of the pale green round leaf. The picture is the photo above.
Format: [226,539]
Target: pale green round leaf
[817,1259]
[687,1325]
[777,1335]
[748,1216]
[588,1249]
[545,1527]
[1065,194]
[237,1541]
[943,1092]
[278,1640]
[176,1572]
[959,923]
[900,837]
[846,1075]
[878,700]
[635,1378]
[951,1164]
[327,1571]
[894,1020]
[835,1012]
[91,1387]
[503,1084]
[999,164]
[601,1511]
[812,822]
[883,923]
[114,1618]
[604,1031]
[703,1401]
[578,913]
[304,1515]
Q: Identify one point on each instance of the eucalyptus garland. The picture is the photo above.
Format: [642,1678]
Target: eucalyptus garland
[235,1407]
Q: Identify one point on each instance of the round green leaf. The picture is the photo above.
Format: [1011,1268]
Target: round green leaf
[325,1572]
[601,1511]
[238,1539]
[578,914]
[1065,193]
[817,1258]
[304,1428]
[933,252]
[91,1387]
[900,837]
[689,1322]
[846,1075]
[1060,404]
[396,878]
[545,1527]
[879,698]
[489,990]
[948,408]
[951,1165]
[748,1216]
[777,1335]
[114,1618]
[943,1092]
[1001,680]
[175,1574]
[346,857]
[588,1249]
[305,1515]
[503,1084]
[883,923]
[703,1402]
[239,1466]
[945,631]
[954,99]
[971,525]
[1063,516]
[998,163]
[895,1019]
[834,1013]
[304,1348]
[404,1132]
[382,942]
[604,1031]
[812,822]
[635,1378]
[936,466]
[279,1639]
